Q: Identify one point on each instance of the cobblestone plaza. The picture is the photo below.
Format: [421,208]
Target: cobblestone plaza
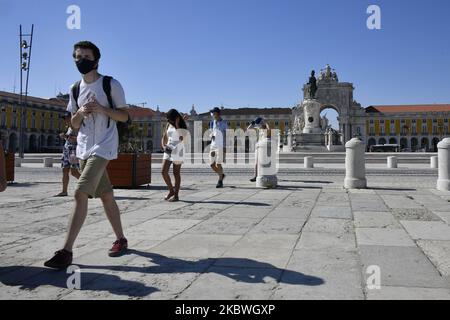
[308,239]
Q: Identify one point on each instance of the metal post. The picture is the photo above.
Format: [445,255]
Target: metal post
[25,63]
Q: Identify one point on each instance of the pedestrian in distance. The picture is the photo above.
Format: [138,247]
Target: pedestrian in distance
[69,161]
[218,128]
[172,143]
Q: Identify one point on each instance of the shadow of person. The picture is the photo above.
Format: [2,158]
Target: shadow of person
[241,203]
[238,269]
[30,278]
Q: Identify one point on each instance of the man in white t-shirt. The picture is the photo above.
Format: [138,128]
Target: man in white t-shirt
[96,103]
[218,128]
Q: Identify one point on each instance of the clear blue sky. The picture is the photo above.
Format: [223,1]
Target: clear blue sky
[175,53]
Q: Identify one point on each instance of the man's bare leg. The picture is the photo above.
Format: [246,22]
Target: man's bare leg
[113,213]
[77,219]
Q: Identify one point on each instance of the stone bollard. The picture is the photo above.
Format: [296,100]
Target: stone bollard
[392,162]
[355,165]
[267,164]
[434,163]
[309,162]
[443,183]
[18,162]
[289,141]
[48,162]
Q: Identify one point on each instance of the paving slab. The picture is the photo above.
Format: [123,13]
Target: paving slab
[375,219]
[439,254]
[402,266]
[427,230]
[408,293]
[383,237]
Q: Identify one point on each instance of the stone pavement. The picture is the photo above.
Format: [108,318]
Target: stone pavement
[309,239]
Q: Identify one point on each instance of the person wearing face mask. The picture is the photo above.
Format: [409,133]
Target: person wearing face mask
[97,103]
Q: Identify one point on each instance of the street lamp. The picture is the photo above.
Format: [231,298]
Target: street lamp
[25,62]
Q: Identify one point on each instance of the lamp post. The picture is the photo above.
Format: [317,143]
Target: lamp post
[26,43]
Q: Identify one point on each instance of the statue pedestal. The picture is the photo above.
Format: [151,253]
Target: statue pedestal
[317,139]
[312,118]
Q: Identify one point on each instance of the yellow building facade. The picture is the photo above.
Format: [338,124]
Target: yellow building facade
[413,127]
[43,124]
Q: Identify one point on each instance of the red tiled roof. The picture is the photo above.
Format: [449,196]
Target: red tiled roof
[50,102]
[409,108]
[140,113]
[254,111]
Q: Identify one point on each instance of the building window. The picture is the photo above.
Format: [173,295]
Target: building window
[372,131]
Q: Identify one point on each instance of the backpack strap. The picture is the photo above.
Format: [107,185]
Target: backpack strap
[107,89]
[76,94]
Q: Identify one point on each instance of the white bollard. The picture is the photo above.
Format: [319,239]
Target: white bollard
[267,164]
[434,163]
[309,162]
[392,162]
[18,162]
[48,162]
[289,141]
[355,165]
[443,183]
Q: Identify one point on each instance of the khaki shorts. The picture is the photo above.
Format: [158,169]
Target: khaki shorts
[94,179]
[216,156]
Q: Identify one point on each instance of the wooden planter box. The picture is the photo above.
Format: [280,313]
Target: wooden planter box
[130,170]
[10,162]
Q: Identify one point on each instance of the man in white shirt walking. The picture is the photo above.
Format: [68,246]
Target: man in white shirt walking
[218,128]
[96,103]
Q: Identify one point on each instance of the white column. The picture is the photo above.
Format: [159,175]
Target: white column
[309,162]
[434,163]
[267,164]
[392,162]
[18,162]
[443,182]
[48,162]
[355,166]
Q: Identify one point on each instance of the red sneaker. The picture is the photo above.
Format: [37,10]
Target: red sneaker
[119,248]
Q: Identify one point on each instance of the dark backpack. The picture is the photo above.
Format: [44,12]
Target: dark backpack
[122,127]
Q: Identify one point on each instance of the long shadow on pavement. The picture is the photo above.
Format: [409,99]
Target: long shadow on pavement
[245,203]
[238,269]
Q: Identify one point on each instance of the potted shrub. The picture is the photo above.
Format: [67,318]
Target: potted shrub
[132,168]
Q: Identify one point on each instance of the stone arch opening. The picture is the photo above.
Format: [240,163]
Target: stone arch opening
[382,141]
[403,143]
[330,116]
[393,141]
[414,144]
[12,146]
[32,143]
[424,143]
[50,141]
[434,144]
[150,145]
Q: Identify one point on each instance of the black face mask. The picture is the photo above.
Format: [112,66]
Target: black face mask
[85,65]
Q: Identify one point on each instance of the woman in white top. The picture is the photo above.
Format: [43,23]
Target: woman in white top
[173,146]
